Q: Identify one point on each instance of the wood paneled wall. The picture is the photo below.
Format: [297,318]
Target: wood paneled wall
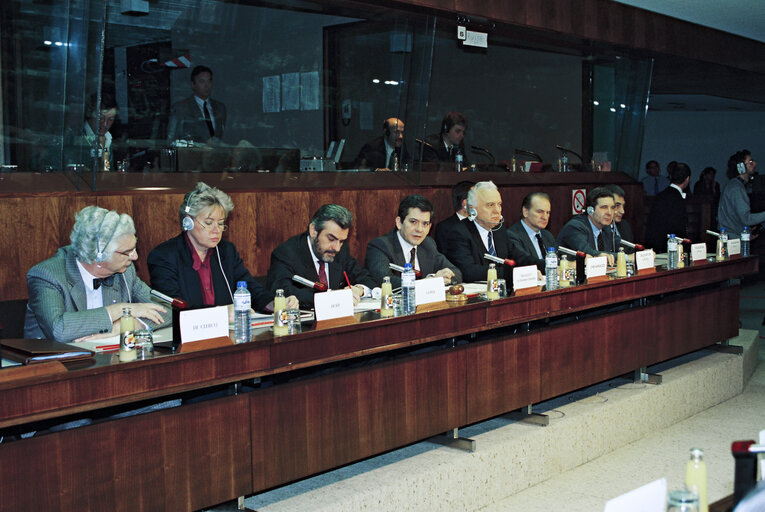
[37,224]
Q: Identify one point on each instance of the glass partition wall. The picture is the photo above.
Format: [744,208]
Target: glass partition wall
[94,85]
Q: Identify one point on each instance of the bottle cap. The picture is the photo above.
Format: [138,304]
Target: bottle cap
[280,293]
[407,266]
[241,284]
[386,279]
[697,453]
[550,249]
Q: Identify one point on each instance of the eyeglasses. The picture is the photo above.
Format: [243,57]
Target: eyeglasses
[129,253]
[208,225]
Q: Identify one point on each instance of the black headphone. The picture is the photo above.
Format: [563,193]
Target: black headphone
[188,222]
[386,128]
[445,128]
[100,254]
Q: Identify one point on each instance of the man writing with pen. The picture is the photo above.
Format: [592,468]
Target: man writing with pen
[319,255]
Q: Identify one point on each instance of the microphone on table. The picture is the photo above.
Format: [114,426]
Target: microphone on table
[176,303]
[571,252]
[479,149]
[713,233]
[319,287]
[399,268]
[526,152]
[501,261]
[632,245]
[425,143]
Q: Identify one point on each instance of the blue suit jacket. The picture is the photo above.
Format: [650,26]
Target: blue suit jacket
[58,305]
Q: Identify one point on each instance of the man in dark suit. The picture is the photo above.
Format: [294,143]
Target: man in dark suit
[409,243]
[529,233]
[386,152]
[591,232]
[620,226]
[320,255]
[444,146]
[482,233]
[459,200]
[668,211]
[198,117]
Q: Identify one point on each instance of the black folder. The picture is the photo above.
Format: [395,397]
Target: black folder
[27,351]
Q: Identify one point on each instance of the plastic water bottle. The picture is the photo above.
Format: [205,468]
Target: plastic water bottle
[242,304]
[724,240]
[746,237]
[551,269]
[564,163]
[458,160]
[408,302]
[672,252]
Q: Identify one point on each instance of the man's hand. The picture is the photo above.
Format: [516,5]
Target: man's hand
[447,274]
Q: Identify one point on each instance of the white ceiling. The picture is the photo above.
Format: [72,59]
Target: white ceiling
[743,17]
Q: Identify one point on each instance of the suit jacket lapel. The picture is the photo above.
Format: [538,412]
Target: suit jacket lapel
[477,240]
[75,282]
[306,260]
[395,249]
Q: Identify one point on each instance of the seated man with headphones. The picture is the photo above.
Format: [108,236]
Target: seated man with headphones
[591,232]
[482,232]
[386,152]
[200,267]
[82,289]
[444,146]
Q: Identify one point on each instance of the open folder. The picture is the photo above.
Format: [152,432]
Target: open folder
[27,351]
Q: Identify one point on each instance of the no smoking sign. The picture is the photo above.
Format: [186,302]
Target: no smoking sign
[578,198]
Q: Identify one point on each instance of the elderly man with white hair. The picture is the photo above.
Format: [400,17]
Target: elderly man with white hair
[482,233]
[81,290]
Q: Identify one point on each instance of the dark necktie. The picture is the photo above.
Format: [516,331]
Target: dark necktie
[492,251]
[655,185]
[106,281]
[208,120]
[542,249]
[600,241]
[390,160]
[412,256]
[323,275]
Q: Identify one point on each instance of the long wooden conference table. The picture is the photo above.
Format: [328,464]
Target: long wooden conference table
[341,393]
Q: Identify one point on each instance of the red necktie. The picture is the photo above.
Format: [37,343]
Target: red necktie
[323,275]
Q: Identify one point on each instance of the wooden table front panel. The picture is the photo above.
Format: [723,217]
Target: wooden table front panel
[502,375]
[312,425]
[177,459]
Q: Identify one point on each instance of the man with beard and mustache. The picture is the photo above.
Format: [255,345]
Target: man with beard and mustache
[319,254]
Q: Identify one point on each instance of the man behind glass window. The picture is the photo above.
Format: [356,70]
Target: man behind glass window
[385,152]
[444,146]
[198,118]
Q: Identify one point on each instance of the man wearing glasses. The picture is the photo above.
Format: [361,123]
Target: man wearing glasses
[80,292]
[200,267]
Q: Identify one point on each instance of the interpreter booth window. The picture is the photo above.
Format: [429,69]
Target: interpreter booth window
[619,106]
[95,86]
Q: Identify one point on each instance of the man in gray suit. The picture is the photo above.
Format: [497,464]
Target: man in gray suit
[409,243]
[529,233]
[83,288]
[198,117]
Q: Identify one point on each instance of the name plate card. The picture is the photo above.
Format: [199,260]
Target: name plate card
[429,290]
[203,324]
[333,304]
[525,277]
[644,260]
[699,252]
[596,267]
[734,247]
